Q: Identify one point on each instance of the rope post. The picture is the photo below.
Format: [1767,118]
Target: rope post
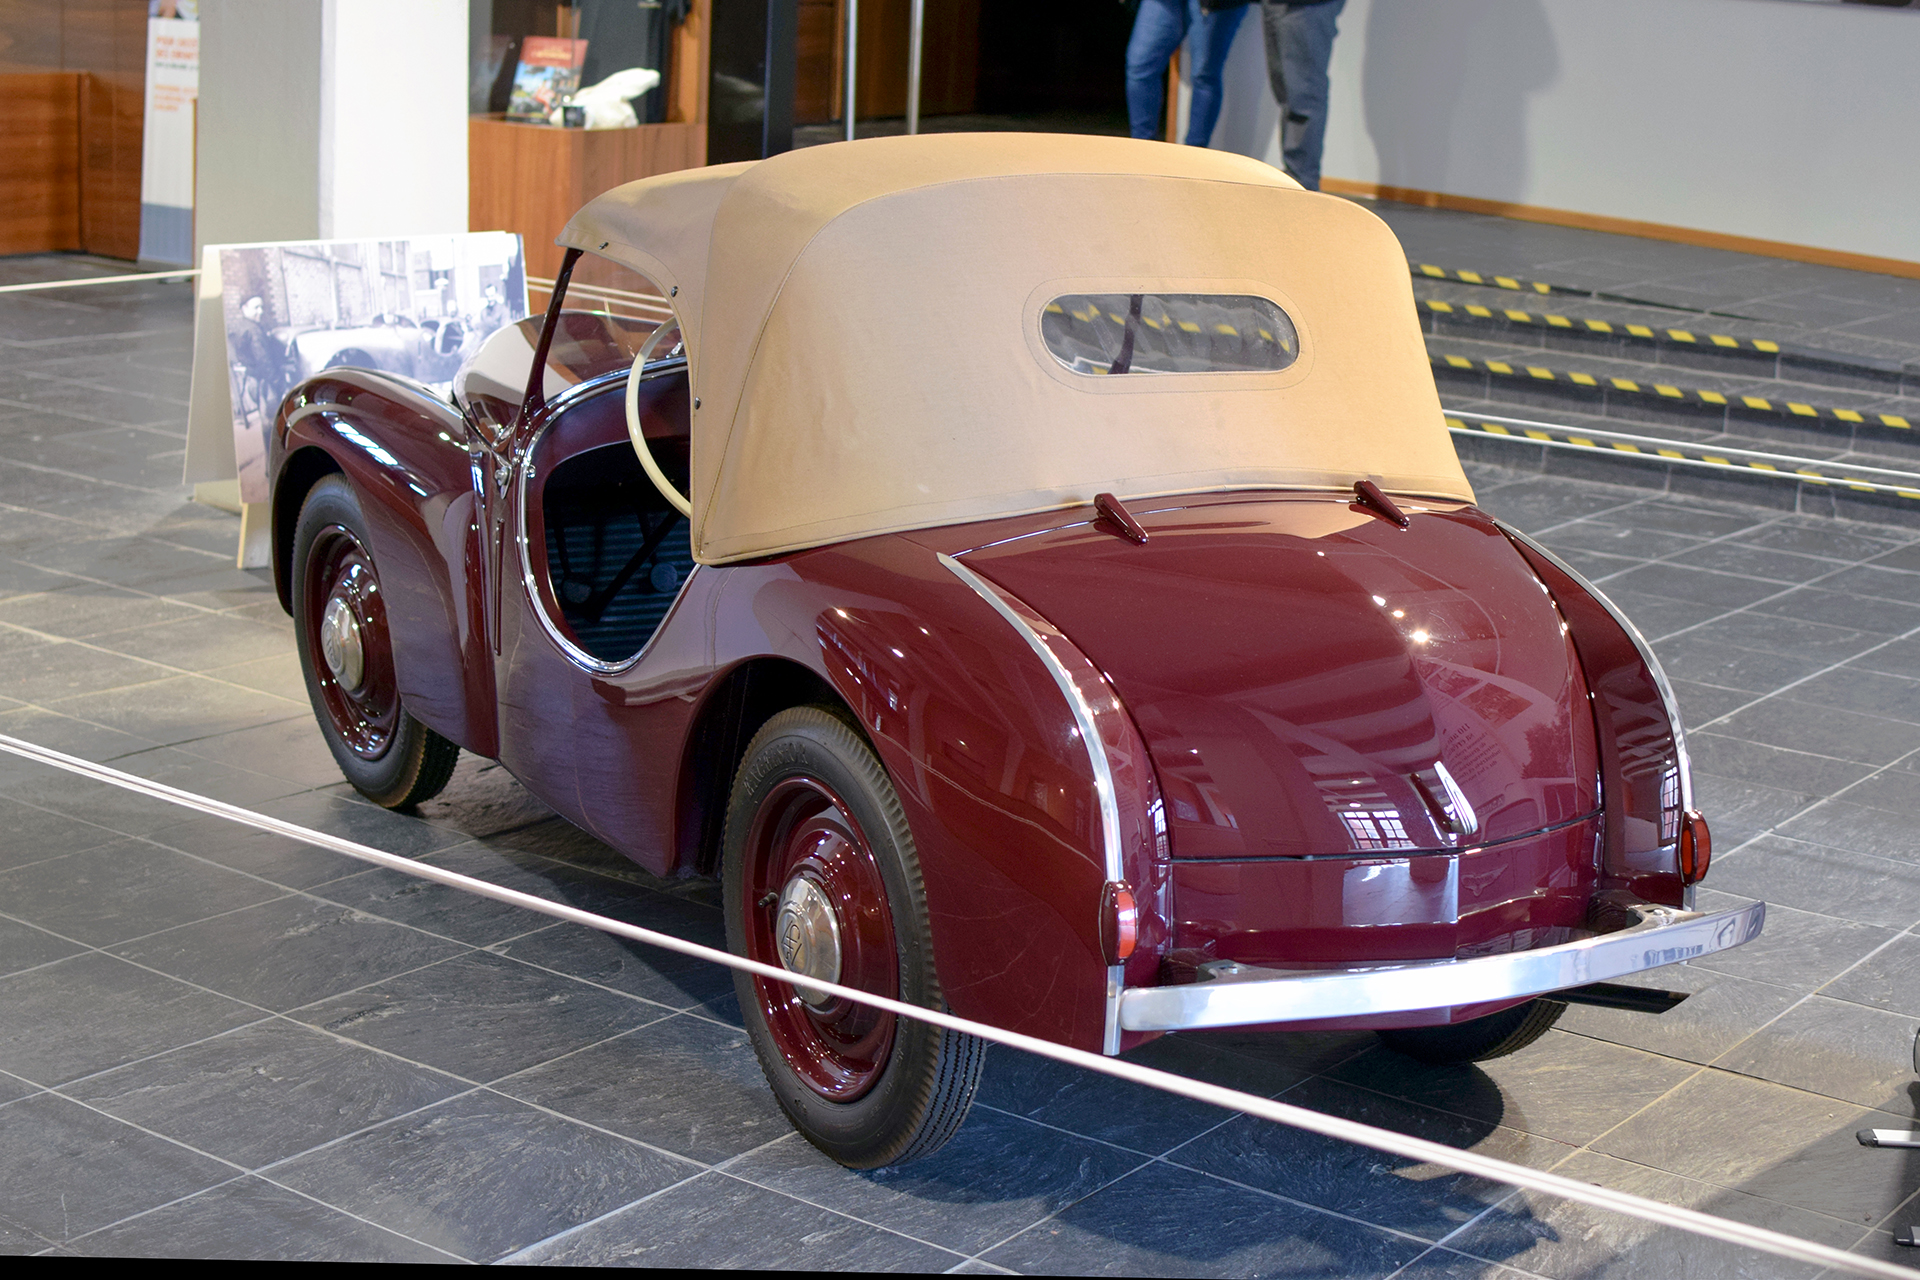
[853,51]
[916,35]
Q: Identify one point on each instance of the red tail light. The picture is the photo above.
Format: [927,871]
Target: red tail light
[1696,847]
[1119,922]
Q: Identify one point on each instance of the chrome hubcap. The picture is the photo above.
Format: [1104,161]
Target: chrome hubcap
[341,646]
[808,936]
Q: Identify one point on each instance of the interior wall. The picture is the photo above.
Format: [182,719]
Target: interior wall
[257,175]
[393,118]
[1771,119]
[331,118]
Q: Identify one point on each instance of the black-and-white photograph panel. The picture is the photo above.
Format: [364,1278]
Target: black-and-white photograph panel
[414,309]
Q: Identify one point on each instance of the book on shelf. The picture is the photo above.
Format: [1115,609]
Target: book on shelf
[549,71]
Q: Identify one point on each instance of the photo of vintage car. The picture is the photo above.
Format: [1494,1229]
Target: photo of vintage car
[1034,575]
[430,349]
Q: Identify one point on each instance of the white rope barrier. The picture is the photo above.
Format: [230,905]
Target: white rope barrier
[1416,1149]
[184,273]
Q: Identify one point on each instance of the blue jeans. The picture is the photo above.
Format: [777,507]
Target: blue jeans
[1299,47]
[1158,29]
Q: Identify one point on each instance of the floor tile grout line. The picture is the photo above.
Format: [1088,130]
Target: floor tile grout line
[1740,540]
[1166,1159]
[294,1191]
[715,1171]
[726,1167]
[1797,751]
[852,1217]
[286,1015]
[81,578]
[1095,1139]
[1015,1234]
[1406,1269]
[1773,830]
[70,475]
[498,1083]
[667,1009]
[576,1228]
[224,1182]
[1827,670]
[177,672]
[472,1087]
[1694,1069]
[102,951]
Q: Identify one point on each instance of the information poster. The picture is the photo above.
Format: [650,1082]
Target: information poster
[166,164]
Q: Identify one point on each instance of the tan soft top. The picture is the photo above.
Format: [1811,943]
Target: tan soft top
[863,325]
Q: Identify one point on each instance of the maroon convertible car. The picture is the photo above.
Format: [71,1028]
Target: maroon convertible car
[1033,574]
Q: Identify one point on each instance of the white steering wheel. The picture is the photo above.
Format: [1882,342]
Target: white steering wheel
[656,341]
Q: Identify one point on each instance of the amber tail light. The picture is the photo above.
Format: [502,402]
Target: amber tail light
[1120,921]
[1696,847]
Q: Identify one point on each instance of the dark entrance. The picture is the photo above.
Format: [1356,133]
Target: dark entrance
[1057,67]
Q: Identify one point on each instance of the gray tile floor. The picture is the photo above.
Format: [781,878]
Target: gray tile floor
[1873,316]
[215,1043]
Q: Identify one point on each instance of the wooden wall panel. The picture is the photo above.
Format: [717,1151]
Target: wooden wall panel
[112,128]
[30,36]
[949,60]
[816,86]
[100,48]
[39,162]
[687,68]
[103,36]
[531,179]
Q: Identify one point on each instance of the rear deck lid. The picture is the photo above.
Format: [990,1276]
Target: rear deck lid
[1314,680]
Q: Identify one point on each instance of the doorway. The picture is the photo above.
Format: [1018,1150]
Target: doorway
[986,65]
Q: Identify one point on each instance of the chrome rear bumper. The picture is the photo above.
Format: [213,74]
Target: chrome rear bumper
[1231,995]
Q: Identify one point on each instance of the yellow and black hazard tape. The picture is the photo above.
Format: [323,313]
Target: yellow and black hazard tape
[1605,328]
[1498,282]
[1660,392]
[1773,466]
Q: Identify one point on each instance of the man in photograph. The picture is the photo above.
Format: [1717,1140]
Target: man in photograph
[254,350]
[493,312]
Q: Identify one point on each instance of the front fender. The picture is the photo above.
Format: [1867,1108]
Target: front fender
[406,456]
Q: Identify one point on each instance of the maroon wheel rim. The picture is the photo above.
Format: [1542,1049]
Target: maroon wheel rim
[364,708]
[804,830]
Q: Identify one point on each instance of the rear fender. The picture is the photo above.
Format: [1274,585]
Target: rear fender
[406,455]
[1643,763]
[987,758]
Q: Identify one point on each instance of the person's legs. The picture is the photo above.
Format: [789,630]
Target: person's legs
[1208,46]
[1299,47]
[1158,29]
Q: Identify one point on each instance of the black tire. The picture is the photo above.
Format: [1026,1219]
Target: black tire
[1494,1036]
[388,756]
[904,1100]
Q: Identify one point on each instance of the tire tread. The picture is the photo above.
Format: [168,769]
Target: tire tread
[941,1098]
[1480,1040]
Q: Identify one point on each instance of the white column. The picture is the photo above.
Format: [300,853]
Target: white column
[393,118]
[323,119]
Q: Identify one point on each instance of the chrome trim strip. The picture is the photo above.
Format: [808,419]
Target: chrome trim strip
[600,382]
[1103,784]
[1241,995]
[574,653]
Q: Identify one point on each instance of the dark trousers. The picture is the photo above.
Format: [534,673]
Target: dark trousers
[1158,29]
[1299,47]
